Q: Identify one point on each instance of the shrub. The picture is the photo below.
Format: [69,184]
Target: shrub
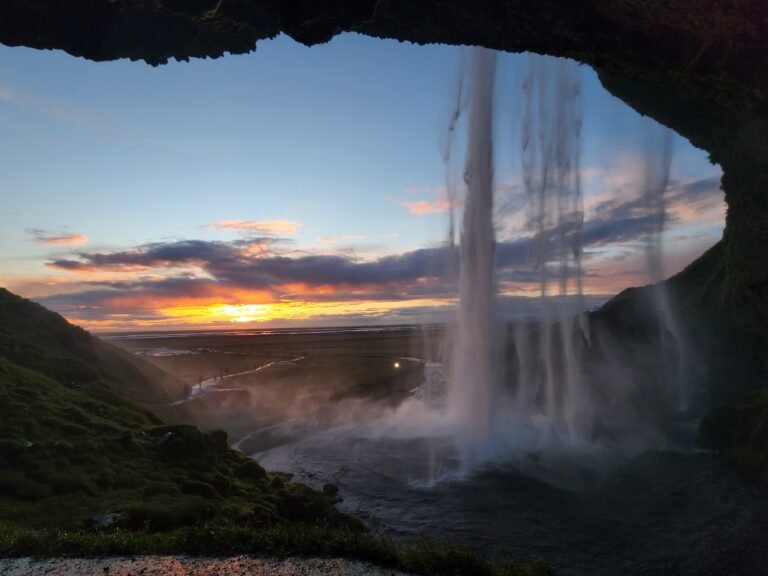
[199,488]
[166,514]
[251,470]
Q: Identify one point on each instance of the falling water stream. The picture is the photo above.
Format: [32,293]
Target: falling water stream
[551,389]
[474,373]
[550,399]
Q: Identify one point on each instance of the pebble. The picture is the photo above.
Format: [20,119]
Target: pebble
[190,566]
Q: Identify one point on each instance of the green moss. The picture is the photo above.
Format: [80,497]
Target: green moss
[16,485]
[69,453]
[422,557]
[250,470]
[36,338]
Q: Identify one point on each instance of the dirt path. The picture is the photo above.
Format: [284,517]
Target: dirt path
[206,386]
[187,566]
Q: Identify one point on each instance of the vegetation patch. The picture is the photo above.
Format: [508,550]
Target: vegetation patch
[281,541]
[86,472]
[68,454]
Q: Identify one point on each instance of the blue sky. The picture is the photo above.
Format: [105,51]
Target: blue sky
[109,158]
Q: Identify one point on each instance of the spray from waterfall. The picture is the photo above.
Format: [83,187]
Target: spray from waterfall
[658,142]
[552,392]
[565,384]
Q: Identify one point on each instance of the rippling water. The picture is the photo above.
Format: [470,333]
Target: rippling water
[659,512]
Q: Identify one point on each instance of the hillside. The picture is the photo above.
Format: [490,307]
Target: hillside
[34,337]
[85,471]
[72,447]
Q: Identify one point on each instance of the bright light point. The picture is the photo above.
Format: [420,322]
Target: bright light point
[397,364]
[245,312]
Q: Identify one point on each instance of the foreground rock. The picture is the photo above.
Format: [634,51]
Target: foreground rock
[184,565]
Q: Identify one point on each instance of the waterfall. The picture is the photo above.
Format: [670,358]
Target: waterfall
[473,380]
[657,165]
[546,396]
[551,388]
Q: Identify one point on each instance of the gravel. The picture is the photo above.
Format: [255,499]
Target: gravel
[188,566]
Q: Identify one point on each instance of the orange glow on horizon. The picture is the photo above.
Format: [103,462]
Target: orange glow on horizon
[223,315]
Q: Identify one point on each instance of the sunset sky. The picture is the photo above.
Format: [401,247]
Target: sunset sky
[291,186]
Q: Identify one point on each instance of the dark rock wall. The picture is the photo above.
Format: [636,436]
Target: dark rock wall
[713,47]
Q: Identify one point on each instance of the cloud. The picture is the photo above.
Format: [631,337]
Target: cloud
[64,239]
[694,199]
[342,238]
[259,264]
[441,204]
[164,255]
[425,207]
[264,227]
[53,109]
[193,274]
[508,197]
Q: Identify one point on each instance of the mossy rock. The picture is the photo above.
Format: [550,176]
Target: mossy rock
[200,489]
[218,441]
[221,483]
[186,441]
[249,469]
[14,484]
[166,513]
[180,441]
[300,503]
[160,488]
[12,450]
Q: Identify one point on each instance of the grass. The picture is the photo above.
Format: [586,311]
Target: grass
[70,453]
[281,541]
[67,454]
[73,448]
[34,337]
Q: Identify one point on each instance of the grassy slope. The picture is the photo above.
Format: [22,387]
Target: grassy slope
[69,453]
[72,447]
[34,337]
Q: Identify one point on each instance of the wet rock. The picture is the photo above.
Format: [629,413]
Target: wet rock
[105,521]
[251,470]
[218,441]
[277,483]
[331,490]
[183,441]
[302,505]
[200,489]
[13,449]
